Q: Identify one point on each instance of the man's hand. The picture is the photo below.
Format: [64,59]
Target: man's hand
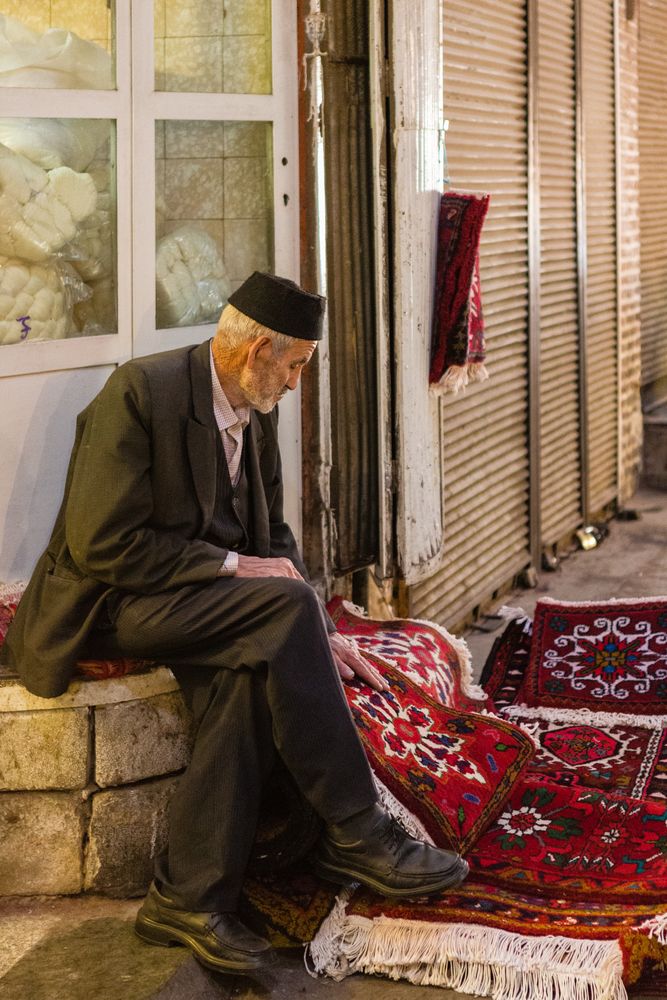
[257,566]
[351,662]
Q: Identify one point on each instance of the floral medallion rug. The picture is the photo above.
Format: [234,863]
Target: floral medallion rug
[567,896]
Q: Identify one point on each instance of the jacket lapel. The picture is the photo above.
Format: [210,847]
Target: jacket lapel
[201,433]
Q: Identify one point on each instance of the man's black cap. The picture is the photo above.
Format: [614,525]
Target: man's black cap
[281,305]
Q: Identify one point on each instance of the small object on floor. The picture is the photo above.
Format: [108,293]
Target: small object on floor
[488,623]
[550,562]
[628,514]
[527,578]
[587,537]
[218,940]
[373,848]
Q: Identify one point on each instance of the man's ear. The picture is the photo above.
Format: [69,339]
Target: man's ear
[260,349]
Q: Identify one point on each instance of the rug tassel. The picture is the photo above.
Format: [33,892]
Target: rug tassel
[656,927]
[470,958]
[453,380]
[583,716]
[408,821]
[477,371]
[510,614]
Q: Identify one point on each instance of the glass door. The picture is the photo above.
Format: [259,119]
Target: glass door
[215,140]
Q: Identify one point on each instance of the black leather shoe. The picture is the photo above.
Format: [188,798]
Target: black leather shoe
[373,848]
[218,940]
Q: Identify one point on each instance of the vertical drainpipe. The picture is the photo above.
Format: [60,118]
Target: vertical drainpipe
[316,397]
[618,220]
[581,260]
[534,251]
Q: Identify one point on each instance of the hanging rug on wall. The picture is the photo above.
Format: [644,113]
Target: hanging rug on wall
[458,351]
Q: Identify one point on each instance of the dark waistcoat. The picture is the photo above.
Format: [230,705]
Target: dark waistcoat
[231,512]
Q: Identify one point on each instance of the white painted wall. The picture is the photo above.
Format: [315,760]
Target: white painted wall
[36,436]
[418,138]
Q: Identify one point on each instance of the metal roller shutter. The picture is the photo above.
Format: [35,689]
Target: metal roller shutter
[485,448]
[652,187]
[560,469]
[600,284]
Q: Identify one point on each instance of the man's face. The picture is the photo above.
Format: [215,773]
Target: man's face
[266,382]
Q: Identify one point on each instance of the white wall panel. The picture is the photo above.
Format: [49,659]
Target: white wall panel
[36,436]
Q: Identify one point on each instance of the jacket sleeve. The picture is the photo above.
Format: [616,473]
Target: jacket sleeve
[110,503]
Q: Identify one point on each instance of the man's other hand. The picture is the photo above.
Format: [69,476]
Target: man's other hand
[257,566]
[351,662]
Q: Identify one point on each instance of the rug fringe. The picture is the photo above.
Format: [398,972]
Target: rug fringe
[477,371]
[606,600]
[12,591]
[453,380]
[514,614]
[656,927]
[457,377]
[408,820]
[468,957]
[584,716]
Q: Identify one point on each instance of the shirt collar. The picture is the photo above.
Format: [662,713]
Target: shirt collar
[225,414]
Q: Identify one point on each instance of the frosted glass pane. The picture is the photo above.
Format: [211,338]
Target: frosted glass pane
[213,46]
[214,215]
[58,244]
[68,44]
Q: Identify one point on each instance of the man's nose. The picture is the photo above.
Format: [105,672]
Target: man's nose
[293,380]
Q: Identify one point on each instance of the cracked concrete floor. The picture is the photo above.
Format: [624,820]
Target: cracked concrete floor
[84,948]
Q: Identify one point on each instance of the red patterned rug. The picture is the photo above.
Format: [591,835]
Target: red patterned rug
[596,655]
[567,895]
[457,348]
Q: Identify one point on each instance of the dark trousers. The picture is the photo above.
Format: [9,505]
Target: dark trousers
[254,661]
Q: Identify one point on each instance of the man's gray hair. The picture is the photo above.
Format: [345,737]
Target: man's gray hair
[236,329]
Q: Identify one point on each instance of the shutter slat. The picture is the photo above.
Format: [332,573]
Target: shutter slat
[598,97]
[560,497]
[485,446]
[652,192]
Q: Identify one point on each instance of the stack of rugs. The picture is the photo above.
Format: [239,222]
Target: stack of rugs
[551,778]
[553,783]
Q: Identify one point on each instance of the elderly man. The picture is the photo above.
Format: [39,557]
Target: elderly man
[171,545]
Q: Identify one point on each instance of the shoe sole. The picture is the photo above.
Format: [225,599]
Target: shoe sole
[343,876]
[161,934]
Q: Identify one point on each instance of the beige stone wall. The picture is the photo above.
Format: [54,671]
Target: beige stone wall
[629,266]
[85,782]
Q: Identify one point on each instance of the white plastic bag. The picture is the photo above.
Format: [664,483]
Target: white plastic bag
[34,304]
[55,142]
[56,58]
[40,210]
[192,286]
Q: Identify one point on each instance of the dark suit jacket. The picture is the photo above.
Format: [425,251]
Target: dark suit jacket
[138,501]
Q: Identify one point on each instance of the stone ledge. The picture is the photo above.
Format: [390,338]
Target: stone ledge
[108,691]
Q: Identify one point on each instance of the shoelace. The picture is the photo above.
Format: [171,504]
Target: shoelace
[393,835]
